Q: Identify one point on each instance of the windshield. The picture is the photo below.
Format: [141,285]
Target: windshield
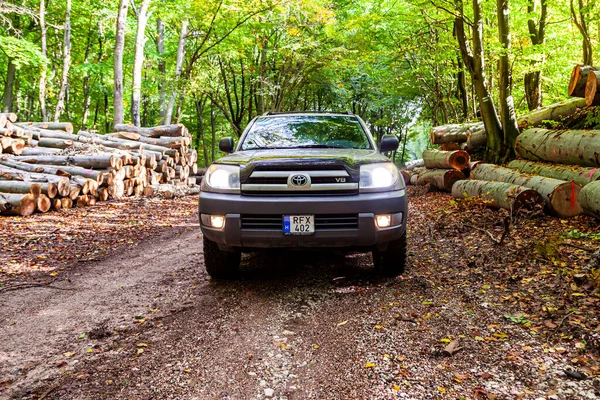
[306,131]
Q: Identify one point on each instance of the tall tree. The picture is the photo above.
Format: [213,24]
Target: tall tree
[42,84]
[66,53]
[508,116]
[162,68]
[118,63]
[581,23]
[537,35]
[475,62]
[138,61]
[7,98]
[178,70]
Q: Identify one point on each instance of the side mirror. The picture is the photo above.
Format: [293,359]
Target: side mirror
[388,143]
[226,145]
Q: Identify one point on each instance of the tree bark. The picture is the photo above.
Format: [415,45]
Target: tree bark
[581,24]
[457,159]
[499,194]
[442,179]
[173,130]
[508,118]
[454,133]
[7,98]
[579,175]
[537,33]
[560,196]
[589,197]
[49,189]
[178,70]
[138,61]
[42,84]
[64,83]
[118,62]
[578,80]
[162,68]
[577,147]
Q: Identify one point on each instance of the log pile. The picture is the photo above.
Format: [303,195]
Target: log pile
[47,166]
[584,83]
[472,136]
[442,169]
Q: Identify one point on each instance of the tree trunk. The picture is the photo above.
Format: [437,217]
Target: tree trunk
[508,117]
[499,194]
[118,62]
[49,189]
[442,179]
[66,54]
[42,84]
[589,197]
[560,196]
[578,80]
[138,61]
[581,23]
[579,175]
[457,159]
[53,126]
[533,89]
[592,94]
[173,130]
[537,33]
[7,99]
[178,70]
[577,147]
[553,112]
[162,68]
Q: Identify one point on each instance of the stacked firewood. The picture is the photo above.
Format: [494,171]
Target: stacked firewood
[47,166]
[584,83]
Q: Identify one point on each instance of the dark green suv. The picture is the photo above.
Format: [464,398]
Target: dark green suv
[304,180]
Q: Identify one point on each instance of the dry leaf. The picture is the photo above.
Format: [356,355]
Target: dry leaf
[370,365]
[342,323]
[452,347]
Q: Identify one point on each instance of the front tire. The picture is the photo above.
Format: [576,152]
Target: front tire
[220,264]
[392,261]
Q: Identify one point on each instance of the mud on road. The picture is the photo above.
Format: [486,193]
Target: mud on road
[148,323]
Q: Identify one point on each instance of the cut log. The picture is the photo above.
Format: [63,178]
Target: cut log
[577,147]
[560,196]
[37,151]
[21,204]
[11,117]
[450,147]
[442,179]
[49,189]
[589,197]
[580,175]
[62,183]
[499,194]
[457,159]
[42,169]
[552,112]
[43,203]
[578,80]
[67,202]
[476,139]
[155,132]
[592,92]
[100,161]
[405,176]
[5,205]
[55,143]
[12,146]
[54,126]
[456,133]
[74,192]
[57,204]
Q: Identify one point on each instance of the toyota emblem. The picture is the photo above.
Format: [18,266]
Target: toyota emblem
[299,180]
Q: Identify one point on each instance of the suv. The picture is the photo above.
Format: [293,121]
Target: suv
[303,180]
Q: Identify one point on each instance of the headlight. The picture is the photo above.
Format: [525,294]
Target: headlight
[379,178]
[222,178]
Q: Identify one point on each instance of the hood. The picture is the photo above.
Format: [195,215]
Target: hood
[350,158]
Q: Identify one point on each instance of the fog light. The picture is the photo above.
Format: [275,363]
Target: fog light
[383,221]
[213,221]
[217,221]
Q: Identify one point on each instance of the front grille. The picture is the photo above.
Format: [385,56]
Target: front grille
[323,222]
[326,180]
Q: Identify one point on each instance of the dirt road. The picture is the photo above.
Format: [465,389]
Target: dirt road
[149,323]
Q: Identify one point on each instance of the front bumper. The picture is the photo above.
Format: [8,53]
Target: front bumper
[366,206]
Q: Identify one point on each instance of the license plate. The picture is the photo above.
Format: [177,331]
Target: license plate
[298,224]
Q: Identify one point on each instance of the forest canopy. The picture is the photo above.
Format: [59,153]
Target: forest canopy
[214,65]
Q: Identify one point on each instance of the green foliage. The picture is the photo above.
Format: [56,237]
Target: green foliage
[21,52]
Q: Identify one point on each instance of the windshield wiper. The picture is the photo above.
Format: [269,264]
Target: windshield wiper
[320,146]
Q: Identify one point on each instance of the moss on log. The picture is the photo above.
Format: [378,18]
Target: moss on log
[499,194]
[577,147]
[580,175]
[561,197]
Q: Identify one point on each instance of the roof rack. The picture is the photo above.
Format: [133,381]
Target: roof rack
[307,112]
